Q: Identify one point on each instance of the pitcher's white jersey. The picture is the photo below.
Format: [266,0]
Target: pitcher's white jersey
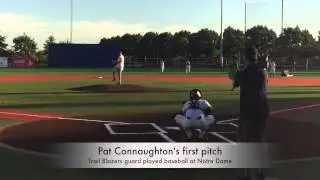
[120,64]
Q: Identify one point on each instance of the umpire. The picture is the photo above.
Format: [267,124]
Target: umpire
[254,106]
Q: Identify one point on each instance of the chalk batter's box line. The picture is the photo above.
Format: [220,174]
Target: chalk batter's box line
[222,137]
[156,127]
[221,132]
[160,132]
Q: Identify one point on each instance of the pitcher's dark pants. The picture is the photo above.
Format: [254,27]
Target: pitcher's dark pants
[252,130]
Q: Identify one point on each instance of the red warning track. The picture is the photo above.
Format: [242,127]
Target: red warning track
[174,78]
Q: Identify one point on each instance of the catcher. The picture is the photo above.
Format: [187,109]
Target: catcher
[196,114]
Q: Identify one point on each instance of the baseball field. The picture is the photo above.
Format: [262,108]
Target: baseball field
[41,106]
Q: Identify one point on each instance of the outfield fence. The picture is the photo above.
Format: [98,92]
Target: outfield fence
[301,64]
[179,62]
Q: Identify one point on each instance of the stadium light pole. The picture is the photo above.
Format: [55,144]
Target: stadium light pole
[245,28]
[281,16]
[245,17]
[71,20]
[221,34]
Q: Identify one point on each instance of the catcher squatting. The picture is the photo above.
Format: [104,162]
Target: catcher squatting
[196,114]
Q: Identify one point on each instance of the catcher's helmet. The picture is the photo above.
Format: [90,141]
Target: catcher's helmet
[195,94]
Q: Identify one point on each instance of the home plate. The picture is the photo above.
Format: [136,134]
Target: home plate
[100,77]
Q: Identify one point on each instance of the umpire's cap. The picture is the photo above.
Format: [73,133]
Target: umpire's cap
[252,54]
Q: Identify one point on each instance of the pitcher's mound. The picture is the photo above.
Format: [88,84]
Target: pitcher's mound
[115,88]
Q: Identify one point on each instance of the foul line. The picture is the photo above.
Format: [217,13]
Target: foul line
[297,160]
[60,118]
[30,152]
[118,122]
[276,112]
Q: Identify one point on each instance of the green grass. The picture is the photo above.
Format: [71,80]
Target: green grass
[4,123]
[54,96]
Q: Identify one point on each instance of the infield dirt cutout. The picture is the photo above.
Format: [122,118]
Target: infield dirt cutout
[296,139]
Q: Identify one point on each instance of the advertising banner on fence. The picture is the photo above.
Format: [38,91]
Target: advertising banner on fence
[23,62]
[163,155]
[4,62]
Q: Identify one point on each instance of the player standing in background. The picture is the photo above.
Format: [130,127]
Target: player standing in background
[162,65]
[195,114]
[188,66]
[119,66]
[273,66]
[234,68]
[266,64]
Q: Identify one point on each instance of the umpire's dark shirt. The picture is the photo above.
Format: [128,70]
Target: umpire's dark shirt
[253,93]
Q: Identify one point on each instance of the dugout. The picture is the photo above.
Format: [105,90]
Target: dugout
[82,55]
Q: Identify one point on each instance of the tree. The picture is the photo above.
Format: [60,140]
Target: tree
[307,38]
[308,46]
[205,42]
[147,45]
[180,43]
[289,42]
[163,44]
[233,41]
[129,43]
[291,37]
[3,46]
[202,43]
[41,56]
[295,44]
[24,45]
[263,36]
[50,40]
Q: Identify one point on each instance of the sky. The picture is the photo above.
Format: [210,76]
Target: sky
[94,19]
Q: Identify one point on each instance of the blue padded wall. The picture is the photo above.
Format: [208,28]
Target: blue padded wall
[82,55]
